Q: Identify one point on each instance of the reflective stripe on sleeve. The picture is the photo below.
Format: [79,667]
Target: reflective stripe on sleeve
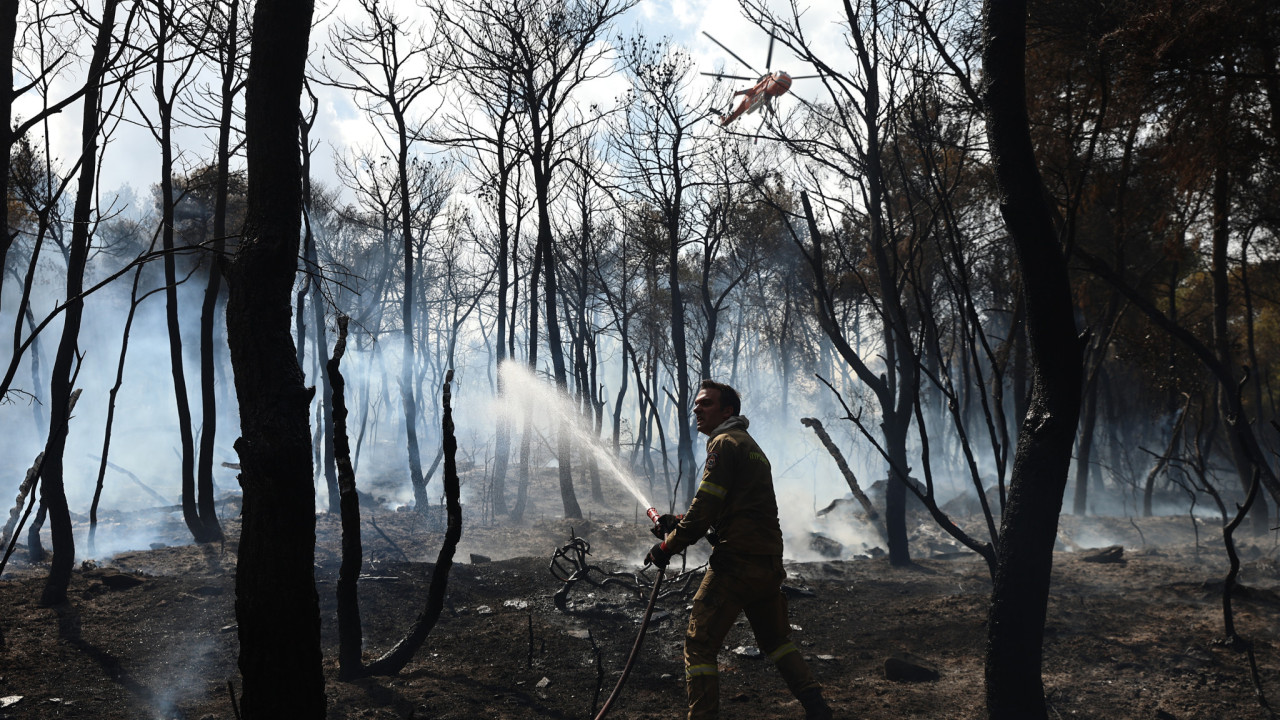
[696,670]
[784,649]
[712,489]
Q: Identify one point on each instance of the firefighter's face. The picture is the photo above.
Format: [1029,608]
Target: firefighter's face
[708,411]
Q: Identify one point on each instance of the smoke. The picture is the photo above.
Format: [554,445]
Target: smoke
[185,668]
[146,470]
[145,442]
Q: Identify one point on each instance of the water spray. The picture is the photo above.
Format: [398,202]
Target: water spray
[526,391]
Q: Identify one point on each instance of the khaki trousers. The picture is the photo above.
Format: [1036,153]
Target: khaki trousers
[734,585]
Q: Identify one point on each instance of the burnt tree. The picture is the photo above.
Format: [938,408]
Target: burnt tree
[226,51]
[67,360]
[277,609]
[1029,525]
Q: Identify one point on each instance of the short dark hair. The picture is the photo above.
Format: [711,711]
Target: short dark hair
[728,396]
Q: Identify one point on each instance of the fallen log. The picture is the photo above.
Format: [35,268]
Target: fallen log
[849,477]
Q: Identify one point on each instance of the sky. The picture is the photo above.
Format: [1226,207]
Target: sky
[133,158]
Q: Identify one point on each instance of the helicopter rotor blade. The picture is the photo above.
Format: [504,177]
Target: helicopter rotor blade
[768,58]
[735,55]
[732,77]
[805,77]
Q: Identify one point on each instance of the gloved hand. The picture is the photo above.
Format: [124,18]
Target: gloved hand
[666,523]
[658,556]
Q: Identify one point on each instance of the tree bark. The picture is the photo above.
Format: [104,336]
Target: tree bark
[8,34]
[52,489]
[317,319]
[134,301]
[1230,402]
[350,634]
[394,660]
[277,609]
[564,442]
[502,443]
[1175,436]
[1084,448]
[164,133]
[1019,598]
[852,480]
[408,401]
[679,348]
[526,432]
[205,507]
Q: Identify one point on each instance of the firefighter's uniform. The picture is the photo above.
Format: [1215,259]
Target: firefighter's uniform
[736,498]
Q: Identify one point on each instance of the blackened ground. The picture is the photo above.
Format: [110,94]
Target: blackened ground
[151,634]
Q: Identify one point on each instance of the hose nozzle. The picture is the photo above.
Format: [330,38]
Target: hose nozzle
[653,514]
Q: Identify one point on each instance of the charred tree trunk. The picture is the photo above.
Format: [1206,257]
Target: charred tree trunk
[583,370]
[317,319]
[205,508]
[350,634]
[8,35]
[1094,368]
[897,391]
[849,478]
[1174,437]
[597,401]
[398,656]
[564,441]
[1230,402]
[546,249]
[209,310]
[526,432]
[622,391]
[1084,447]
[134,301]
[277,609]
[895,493]
[164,101]
[35,546]
[53,495]
[1019,597]
[408,401]
[684,404]
[502,443]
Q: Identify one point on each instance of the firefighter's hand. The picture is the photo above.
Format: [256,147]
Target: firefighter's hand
[665,525]
[658,556]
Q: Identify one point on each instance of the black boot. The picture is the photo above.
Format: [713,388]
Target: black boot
[815,707]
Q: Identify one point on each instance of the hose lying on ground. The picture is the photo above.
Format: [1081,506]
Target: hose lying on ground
[635,649]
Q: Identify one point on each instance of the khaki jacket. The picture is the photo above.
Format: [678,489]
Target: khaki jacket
[735,496]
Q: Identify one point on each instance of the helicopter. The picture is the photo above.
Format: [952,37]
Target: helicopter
[768,86]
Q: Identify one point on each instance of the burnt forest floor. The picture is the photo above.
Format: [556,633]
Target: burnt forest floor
[151,634]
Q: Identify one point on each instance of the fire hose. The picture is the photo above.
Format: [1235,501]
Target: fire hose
[644,626]
[635,648]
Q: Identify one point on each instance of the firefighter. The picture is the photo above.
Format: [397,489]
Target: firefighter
[745,575]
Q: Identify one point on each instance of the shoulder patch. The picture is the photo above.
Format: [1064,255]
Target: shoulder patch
[712,457]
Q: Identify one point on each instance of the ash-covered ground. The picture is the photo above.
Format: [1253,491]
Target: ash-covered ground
[150,633]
